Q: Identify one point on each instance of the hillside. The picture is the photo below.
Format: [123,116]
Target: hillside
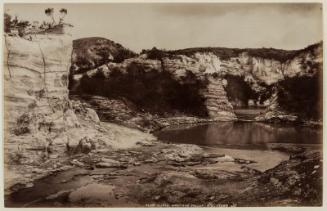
[89,53]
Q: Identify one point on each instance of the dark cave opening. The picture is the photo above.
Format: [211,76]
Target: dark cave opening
[153,91]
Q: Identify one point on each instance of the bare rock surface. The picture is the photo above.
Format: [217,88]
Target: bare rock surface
[169,175]
[42,125]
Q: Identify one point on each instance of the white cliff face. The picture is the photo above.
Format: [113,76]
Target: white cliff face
[36,92]
[306,63]
[37,112]
[268,71]
[255,69]
[41,123]
[36,74]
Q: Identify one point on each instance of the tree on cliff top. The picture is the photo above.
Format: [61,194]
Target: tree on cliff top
[49,12]
[63,13]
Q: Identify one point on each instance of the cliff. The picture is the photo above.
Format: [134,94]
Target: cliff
[214,80]
[42,125]
[36,75]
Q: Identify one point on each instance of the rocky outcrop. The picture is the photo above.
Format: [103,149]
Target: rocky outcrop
[217,104]
[147,85]
[175,87]
[266,64]
[261,69]
[258,70]
[118,111]
[36,75]
[275,113]
[38,113]
[41,123]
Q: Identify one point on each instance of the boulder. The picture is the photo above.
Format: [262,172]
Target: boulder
[85,145]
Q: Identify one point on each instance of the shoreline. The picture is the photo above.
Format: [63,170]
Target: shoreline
[150,156]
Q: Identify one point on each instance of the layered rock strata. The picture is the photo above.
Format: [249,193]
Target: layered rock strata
[36,75]
[217,104]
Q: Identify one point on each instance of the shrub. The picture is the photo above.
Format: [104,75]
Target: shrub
[23,123]
[155,53]
[302,95]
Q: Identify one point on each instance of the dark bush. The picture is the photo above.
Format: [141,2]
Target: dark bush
[22,125]
[302,95]
[123,54]
[155,53]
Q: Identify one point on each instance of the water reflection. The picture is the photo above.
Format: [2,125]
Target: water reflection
[241,133]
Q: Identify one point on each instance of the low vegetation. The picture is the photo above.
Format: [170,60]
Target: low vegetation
[21,28]
[227,53]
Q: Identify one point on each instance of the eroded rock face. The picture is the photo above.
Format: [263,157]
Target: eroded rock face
[38,113]
[41,123]
[146,85]
[36,89]
[217,104]
[259,69]
[36,95]
[159,87]
[36,76]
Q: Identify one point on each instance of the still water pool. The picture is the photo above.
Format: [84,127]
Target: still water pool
[241,133]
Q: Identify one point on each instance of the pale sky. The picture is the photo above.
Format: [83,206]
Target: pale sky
[176,25]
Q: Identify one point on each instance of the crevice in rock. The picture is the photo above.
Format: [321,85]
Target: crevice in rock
[44,77]
[8,56]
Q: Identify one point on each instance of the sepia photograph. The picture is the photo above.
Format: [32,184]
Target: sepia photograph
[162,104]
